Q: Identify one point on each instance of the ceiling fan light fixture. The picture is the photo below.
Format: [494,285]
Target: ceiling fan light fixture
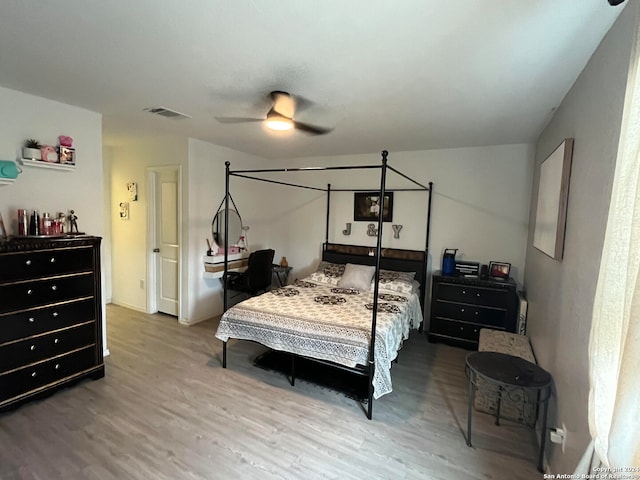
[275,121]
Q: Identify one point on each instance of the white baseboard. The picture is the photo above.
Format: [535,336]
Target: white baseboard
[126,305]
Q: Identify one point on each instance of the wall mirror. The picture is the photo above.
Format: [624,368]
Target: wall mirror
[235,227]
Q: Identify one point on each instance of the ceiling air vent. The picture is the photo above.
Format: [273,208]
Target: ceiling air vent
[165,112]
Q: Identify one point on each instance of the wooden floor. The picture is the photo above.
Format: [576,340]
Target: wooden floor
[167,410]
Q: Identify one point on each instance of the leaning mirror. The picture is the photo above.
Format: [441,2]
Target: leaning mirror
[235,227]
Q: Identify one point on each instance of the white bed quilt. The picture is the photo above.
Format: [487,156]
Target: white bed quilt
[327,322]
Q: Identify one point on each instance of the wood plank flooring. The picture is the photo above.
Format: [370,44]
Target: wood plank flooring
[167,410]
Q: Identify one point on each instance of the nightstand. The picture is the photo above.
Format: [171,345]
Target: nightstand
[282,274]
[461,306]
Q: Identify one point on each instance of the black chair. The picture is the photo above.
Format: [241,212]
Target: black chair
[257,277]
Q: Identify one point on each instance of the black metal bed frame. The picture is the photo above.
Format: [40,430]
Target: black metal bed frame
[370,368]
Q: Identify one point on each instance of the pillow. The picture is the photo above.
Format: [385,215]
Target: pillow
[401,282]
[327,272]
[357,276]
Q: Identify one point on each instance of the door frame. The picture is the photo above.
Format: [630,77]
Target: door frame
[152,258]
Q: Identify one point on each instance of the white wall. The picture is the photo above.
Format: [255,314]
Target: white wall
[206,187]
[480,205]
[25,116]
[129,257]
[561,293]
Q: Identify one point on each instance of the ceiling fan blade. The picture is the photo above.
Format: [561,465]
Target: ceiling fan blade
[311,129]
[238,119]
[302,103]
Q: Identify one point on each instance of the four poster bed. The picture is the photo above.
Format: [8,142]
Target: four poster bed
[353,312]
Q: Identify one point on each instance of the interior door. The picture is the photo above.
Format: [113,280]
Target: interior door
[167,238]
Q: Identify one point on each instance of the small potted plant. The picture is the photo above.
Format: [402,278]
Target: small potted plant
[31,149]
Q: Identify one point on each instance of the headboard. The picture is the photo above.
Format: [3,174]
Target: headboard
[391,259]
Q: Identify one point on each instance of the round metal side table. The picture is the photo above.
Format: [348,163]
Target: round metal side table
[508,373]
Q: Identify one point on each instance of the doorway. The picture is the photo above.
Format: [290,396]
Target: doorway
[165,240]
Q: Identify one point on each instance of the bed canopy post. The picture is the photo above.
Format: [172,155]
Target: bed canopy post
[429,217]
[225,301]
[326,230]
[372,344]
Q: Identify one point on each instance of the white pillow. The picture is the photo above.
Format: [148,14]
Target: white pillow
[357,276]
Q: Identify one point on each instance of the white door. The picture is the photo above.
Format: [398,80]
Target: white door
[167,240]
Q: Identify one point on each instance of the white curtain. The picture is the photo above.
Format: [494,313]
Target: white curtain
[614,347]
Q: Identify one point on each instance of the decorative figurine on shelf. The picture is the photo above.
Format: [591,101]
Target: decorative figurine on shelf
[65,141]
[284,263]
[73,222]
[62,219]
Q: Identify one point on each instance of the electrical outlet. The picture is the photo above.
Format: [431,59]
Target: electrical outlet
[142,284]
[559,435]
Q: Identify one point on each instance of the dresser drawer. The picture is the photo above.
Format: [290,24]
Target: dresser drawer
[27,379]
[36,349]
[474,295]
[494,317]
[26,295]
[454,329]
[43,263]
[14,326]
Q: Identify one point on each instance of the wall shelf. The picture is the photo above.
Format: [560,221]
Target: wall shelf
[42,164]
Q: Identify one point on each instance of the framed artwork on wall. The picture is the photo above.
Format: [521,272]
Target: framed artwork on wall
[124,210]
[553,194]
[366,206]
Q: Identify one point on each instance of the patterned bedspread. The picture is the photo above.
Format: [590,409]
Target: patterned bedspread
[326,322]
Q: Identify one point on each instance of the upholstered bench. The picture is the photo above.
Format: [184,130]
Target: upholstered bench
[516,405]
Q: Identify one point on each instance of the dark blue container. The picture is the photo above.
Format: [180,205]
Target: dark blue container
[449,261]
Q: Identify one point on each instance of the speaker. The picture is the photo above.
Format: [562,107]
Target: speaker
[484,271]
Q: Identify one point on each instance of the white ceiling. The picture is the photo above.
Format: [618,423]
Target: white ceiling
[397,75]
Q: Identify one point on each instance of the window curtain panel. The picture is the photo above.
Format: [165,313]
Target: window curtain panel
[614,346]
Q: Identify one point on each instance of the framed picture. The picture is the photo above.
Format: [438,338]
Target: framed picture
[499,269]
[553,193]
[132,190]
[124,210]
[366,206]
[67,155]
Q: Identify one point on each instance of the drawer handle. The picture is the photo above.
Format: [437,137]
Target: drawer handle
[461,328]
[464,291]
[29,292]
[32,348]
[476,312]
[31,319]
[57,367]
[33,374]
[54,288]
[53,260]
[55,314]
[477,294]
[55,340]
[27,263]
[462,309]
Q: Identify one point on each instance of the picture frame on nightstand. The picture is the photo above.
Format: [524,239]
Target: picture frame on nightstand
[499,270]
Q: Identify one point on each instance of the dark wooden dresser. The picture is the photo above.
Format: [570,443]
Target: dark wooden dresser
[461,306]
[50,315]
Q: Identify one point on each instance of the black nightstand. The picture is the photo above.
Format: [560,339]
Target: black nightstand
[281,273]
[461,306]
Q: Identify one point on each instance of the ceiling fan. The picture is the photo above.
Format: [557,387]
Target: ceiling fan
[280,116]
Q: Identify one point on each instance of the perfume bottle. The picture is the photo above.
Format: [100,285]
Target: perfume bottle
[34,224]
